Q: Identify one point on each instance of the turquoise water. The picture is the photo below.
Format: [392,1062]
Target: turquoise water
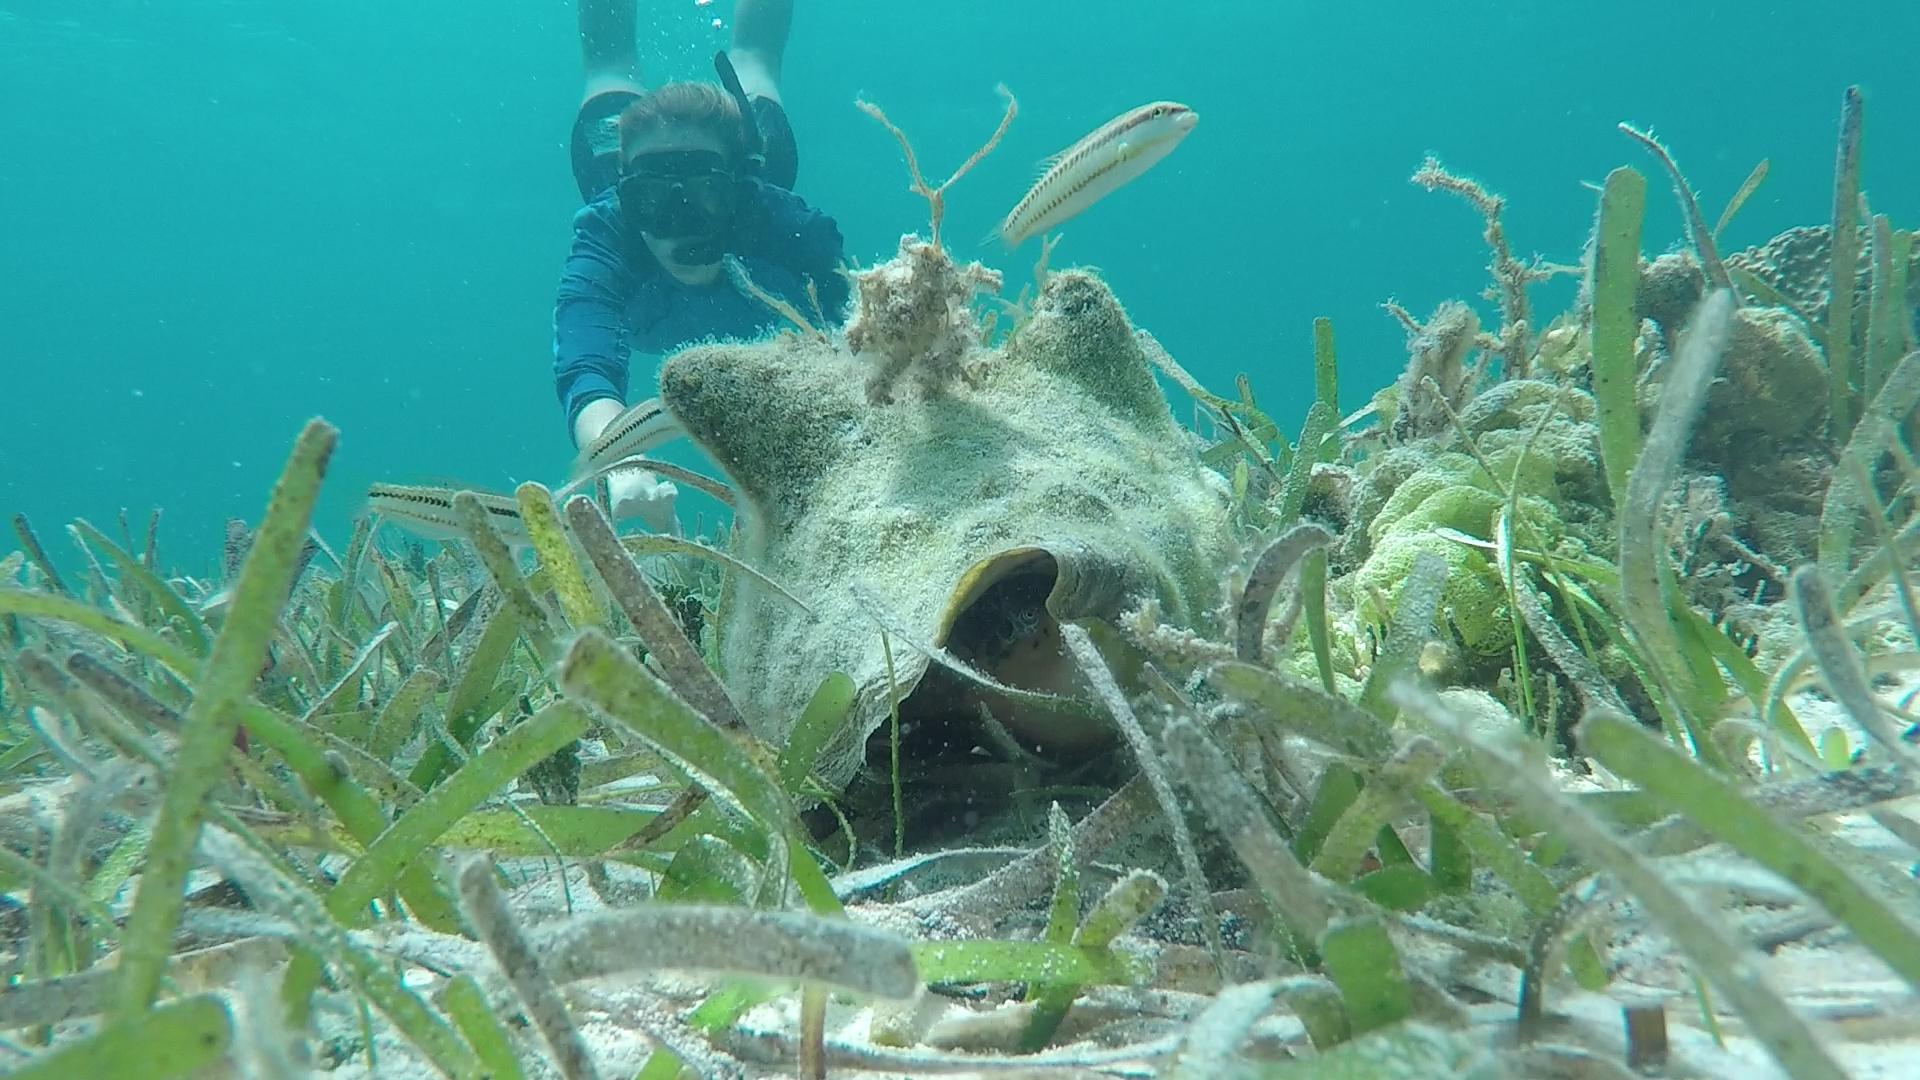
[223,218]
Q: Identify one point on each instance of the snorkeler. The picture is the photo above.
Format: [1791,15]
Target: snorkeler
[675,179]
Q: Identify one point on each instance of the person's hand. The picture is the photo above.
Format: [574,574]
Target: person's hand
[637,493]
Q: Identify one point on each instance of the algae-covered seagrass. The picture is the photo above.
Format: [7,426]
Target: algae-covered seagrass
[1051,483]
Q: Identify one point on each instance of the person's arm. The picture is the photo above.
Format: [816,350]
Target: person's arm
[589,324]
[590,358]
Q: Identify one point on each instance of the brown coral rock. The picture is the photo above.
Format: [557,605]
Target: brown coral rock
[1772,381]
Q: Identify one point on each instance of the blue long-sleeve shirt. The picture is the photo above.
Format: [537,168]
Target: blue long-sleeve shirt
[615,298]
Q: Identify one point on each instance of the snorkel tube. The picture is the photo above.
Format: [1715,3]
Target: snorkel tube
[756,145]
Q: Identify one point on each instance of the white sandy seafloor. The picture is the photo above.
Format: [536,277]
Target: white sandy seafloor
[1864,1012]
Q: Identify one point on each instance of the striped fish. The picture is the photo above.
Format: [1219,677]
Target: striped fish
[1087,171]
[428,512]
[639,429]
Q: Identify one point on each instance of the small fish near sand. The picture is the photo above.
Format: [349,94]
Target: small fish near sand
[1087,171]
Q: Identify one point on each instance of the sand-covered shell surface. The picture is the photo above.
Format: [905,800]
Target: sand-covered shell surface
[1051,483]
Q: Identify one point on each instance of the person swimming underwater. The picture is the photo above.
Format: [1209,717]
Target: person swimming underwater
[673,180]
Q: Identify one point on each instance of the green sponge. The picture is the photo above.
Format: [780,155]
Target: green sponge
[1452,491]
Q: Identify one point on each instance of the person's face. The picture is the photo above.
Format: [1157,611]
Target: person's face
[676,186]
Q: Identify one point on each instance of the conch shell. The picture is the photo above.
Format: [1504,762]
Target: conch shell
[1054,486]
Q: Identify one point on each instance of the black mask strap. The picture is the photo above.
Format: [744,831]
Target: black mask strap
[756,146]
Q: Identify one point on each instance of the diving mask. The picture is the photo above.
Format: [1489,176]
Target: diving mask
[678,193]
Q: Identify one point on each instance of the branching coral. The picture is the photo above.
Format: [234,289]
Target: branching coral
[1437,379]
[1510,275]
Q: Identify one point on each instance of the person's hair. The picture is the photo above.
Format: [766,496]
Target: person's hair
[696,104]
